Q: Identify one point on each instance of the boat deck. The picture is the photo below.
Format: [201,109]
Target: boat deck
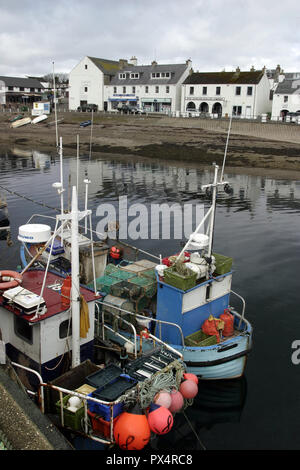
[33,281]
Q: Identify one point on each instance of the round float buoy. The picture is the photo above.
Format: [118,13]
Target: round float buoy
[10,279]
[115,252]
[163,398]
[132,430]
[160,419]
[176,401]
[188,389]
[189,376]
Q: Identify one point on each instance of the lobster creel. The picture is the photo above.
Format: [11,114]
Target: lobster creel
[10,279]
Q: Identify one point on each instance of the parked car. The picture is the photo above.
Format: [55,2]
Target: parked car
[88,108]
[131,110]
[294,116]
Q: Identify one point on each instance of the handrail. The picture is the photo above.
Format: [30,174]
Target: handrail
[118,334]
[142,317]
[41,397]
[243,308]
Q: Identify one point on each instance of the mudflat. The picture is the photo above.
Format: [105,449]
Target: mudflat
[252,145]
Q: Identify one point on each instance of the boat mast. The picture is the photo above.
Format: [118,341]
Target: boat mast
[75,292]
[54,93]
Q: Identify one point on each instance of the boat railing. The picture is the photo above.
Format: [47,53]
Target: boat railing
[242,316]
[85,399]
[142,318]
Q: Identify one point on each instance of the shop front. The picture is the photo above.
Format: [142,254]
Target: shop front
[119,100]
[157,105]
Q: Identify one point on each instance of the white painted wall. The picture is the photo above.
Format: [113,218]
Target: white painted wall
[91,78]
[291,105]
[252,105]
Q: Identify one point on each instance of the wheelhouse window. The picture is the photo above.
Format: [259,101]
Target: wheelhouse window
[65,329]
[23,329]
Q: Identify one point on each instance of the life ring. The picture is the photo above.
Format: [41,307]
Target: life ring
[10,279]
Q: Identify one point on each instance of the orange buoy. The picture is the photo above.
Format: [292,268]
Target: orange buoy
[10,279]
[188,389]
[212,326]
[160,419]
[132,430]
[189,376]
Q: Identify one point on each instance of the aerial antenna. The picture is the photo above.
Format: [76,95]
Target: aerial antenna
[55,112]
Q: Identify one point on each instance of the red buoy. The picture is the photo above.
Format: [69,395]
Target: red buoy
[66,292]
[160,419]
[176,401]
[163,398]
[228,320]
[189,376]
[188,389]
[132,430]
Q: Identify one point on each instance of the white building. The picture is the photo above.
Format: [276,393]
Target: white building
[286,98]
[240,94]
[87,80]
[17,91]
[154,88]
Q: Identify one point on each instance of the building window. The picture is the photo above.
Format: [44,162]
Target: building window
[124,89]
[122,76]
[167,74]
[85,89]
[285,99]
[191,90]
[85,66]
[10,88]
[134,75]
[115,89]
[133,89]
[146,89]
[218,90]
[167,89]
[238,90]
[237,110]
[204,90]
[31,89]
[21,88]
[249,90]
[157,89]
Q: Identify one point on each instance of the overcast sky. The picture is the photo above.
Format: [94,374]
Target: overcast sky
[214,34]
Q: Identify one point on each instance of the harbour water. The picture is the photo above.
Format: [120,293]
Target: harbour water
[257,225]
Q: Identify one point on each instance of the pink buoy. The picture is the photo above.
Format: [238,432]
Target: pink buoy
[189,376]
[188,389]
[160,419]
[163,398]
[176,401]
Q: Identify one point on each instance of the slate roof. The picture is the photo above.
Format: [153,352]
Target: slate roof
[109,67]
[220,78]
[288,86]
[21,82]
[145,71]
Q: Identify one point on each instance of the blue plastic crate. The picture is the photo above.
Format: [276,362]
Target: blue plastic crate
[111,392]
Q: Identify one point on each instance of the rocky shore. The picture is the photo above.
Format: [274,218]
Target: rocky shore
[254,146]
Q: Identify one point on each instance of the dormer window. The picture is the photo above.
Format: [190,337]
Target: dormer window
[160,75]
[122,76]
[134,75]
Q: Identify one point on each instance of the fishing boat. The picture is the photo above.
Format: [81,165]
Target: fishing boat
[15,118]
[20,122]
[51,327]
[185,299]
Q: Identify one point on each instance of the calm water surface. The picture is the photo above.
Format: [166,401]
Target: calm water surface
[257,225]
